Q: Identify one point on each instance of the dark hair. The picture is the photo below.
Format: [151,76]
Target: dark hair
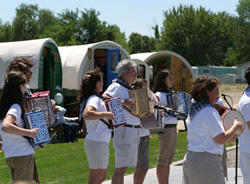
[160,84]
[139,83]
[89,81]
[247,76]
[11,92]
[23,65]
[201,85]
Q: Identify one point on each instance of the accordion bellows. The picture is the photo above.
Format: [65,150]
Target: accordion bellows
[41,100]
[143,104]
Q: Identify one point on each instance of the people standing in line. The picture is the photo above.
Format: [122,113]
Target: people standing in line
[244,140]
[17,149]
[164,82]
[206,135]
[94,111]
[126,138]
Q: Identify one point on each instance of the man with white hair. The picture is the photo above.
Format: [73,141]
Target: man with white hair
[126,138]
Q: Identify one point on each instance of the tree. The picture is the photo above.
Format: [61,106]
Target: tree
[198,35]
[138,43]
[5,31]
[25,24]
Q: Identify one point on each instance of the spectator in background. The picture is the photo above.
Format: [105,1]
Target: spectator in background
[70,129]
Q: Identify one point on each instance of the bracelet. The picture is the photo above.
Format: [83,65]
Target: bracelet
[104,115]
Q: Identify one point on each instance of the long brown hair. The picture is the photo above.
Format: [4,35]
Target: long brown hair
[160,84]
[89,81]
[11,92]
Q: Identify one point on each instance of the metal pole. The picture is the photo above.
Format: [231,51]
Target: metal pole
[236,163]
[236,152]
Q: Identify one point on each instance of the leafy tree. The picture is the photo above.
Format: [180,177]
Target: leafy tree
[138,43]
[25,25]
[241,45]
[198,35]
[46,18]
[5,31]
[117,36]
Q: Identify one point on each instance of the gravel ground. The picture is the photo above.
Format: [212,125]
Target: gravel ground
[231,157]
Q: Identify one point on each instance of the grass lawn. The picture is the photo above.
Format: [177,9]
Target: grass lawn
[66,163]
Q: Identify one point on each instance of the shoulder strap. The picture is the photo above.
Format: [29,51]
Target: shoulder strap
[106,123]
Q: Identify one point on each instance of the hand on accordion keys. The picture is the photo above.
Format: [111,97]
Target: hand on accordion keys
[33,132]
[130,102]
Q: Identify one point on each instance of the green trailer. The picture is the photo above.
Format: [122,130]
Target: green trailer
[47,69]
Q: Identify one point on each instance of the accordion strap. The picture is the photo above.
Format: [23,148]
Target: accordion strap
[106,123]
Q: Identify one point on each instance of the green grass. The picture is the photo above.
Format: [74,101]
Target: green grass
[66,163]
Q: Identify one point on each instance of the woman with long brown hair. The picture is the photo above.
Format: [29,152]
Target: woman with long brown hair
[164,84]
[96,116]
[17,149]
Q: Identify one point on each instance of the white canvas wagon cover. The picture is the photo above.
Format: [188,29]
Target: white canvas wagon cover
[78,60]
[31,49]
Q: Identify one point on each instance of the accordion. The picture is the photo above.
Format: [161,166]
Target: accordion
[41,100]
[114,105]
[181,102]
[143,104]
[36,120]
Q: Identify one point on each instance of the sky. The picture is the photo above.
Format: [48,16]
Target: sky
[130,15]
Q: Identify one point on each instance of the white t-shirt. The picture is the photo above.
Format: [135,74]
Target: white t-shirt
[244,109]
[97,130]
[15,145]
[163,100]
[202,129]
[117,90]
[219,101]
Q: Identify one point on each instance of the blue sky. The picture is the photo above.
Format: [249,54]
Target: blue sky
[130,15]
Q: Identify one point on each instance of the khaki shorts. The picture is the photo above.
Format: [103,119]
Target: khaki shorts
[168,142]
[143,153]
[22,168]
[126,142]
[97,154]
[203,167]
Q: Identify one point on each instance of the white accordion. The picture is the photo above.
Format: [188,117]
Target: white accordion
[181,102]
[36,120]
[114,105]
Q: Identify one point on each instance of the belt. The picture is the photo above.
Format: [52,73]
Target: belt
[132,126]
[169,125]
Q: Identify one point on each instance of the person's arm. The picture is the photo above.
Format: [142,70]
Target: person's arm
[9,127]
[91,114]
[223,137]
[248,125]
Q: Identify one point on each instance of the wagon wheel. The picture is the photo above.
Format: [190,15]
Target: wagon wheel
[82,127]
